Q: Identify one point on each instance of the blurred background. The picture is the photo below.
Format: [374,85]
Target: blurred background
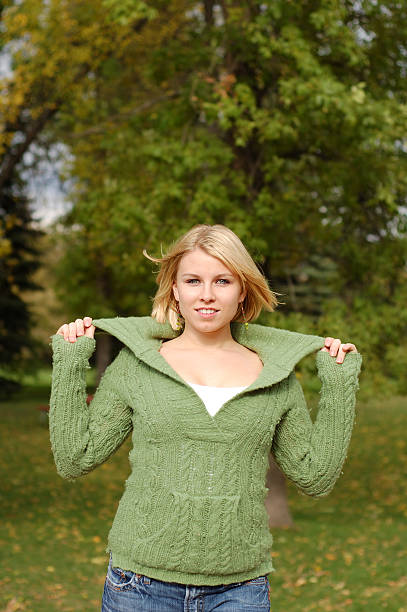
[122,124]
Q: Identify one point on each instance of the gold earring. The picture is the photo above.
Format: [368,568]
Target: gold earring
[180,318]
[244,316]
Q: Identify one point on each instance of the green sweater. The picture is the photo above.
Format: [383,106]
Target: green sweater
[193,507]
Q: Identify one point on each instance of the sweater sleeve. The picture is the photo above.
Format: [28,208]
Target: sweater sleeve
[82,436]
[312,454]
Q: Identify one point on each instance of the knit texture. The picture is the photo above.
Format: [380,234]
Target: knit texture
[193,506]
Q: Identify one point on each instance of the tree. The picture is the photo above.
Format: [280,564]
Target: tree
[270,105]
[55,50]
[18,262]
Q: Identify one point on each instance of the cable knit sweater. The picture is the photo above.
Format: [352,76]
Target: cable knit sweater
[193,508]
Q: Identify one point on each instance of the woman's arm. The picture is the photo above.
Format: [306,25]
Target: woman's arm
[312,454]
[82,436]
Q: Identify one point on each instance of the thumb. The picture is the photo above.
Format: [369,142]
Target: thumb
[90,331]
[89,328]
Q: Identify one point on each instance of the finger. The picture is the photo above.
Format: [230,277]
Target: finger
[90,331]
[336,343]
[63,331]
[341,354]
[72,332]
[324,349]
[87,321]
[79,327]
[349,348]
[328,341]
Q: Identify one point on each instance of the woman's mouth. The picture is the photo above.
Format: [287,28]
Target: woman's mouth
[206,313]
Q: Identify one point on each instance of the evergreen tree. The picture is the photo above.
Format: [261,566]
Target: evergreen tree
[18,261]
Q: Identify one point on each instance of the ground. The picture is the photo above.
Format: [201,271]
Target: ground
[347,552]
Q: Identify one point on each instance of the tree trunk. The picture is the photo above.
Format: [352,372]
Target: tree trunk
[276,500]
[208,6]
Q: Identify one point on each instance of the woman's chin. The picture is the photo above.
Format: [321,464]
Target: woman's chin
[206,325]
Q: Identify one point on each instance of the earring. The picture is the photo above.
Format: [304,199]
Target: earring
[244,316]
[180,318]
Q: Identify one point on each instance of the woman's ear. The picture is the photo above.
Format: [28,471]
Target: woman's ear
[175,291]
[242,296]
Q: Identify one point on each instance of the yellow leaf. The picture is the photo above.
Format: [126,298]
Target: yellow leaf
[347,557]
[338,586]
[98,560]
[14,605]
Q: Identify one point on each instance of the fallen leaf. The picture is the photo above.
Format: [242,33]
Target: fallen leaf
[347,557]
[14,605]
[98,560]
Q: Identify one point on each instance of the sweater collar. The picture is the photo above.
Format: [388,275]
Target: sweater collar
[279,349]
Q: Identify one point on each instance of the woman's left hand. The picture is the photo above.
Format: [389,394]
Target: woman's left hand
[335,348]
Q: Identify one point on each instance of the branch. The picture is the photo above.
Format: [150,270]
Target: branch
[16,152]
[124,116]
[31,131]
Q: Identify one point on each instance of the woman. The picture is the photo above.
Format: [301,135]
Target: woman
[206,397]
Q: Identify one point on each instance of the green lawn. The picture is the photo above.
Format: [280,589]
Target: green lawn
[348,551]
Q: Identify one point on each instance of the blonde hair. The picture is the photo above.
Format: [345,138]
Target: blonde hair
[220,242]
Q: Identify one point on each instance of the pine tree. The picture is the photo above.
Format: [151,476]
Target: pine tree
[18,261]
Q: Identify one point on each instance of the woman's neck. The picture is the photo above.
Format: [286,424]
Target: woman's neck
[192,338]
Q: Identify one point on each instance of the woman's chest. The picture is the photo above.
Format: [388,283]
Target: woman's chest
[215,369]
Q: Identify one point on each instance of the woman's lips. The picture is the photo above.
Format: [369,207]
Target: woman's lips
[206,313]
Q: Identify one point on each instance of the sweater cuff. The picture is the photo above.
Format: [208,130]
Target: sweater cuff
[329,370]
[83,348]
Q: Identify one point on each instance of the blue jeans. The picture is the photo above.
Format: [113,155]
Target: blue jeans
[125,591]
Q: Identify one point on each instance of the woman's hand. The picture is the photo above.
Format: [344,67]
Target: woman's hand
[80,327]
[335,348]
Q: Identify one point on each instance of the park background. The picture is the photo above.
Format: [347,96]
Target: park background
[122,124]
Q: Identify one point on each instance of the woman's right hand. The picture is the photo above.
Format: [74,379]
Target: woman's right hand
[80,327]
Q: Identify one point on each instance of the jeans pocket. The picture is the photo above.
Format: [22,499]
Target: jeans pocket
[119,579]
[256,592]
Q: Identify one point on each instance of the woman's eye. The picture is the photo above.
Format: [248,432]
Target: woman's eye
[220,281]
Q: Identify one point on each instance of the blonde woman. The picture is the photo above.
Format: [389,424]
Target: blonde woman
[206,395]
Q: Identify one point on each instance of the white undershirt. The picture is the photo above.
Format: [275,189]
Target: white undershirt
[215,397]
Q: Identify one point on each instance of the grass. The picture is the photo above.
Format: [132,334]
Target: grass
[347,552]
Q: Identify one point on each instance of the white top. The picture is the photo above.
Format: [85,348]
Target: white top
[215,397]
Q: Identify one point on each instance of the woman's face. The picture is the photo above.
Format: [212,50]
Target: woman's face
[207,291]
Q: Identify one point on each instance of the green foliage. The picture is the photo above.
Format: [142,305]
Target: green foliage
[275,128]
[377,328]
[129,10]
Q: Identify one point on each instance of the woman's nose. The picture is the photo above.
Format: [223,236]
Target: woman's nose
[207,292]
